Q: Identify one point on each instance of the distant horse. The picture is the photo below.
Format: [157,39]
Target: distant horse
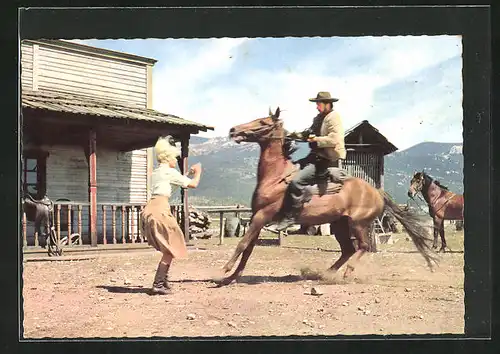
[40,212]
[443,204]
[350,208]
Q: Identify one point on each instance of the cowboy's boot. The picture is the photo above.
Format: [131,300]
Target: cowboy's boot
[160,283]
[290,216]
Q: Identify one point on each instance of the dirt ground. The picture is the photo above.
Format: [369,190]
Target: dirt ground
[105,295]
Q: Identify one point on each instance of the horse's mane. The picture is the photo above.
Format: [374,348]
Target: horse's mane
[440,185]
[436,182]
[289,146]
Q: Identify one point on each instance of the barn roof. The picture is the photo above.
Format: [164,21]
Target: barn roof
[366,135]
[83,105]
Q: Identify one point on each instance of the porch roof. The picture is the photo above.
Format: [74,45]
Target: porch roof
[82,105]
[372,138]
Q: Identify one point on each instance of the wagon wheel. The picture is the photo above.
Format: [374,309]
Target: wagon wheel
[52,242]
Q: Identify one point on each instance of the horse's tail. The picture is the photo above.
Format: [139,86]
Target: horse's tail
[412,224]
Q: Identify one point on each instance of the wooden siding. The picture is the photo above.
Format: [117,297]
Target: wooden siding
[61,69]
[27,66]
[122,177]
[67,174]
[364,165]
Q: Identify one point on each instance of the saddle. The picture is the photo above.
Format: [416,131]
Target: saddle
[45,201]
[336,179]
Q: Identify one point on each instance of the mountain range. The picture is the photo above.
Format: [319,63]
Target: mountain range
[230,169]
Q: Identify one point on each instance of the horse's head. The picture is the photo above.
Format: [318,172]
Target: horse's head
[416,184]
[260,130]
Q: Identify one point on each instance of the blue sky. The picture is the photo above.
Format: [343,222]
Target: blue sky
[409,87]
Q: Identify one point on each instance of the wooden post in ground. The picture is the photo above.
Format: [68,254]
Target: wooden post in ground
[221,228]
[92,160]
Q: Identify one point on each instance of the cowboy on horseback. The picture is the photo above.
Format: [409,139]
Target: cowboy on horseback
[326,141]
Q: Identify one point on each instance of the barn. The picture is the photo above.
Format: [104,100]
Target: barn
[366,148]
[87,137]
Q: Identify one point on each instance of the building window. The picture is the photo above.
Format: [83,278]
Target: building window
[34,174]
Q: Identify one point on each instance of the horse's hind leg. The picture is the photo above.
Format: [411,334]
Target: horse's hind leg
[360,232]
[342,233]
[437,226]
[443,240]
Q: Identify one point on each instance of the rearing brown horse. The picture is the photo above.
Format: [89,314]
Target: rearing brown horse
[350,211]
[443,204]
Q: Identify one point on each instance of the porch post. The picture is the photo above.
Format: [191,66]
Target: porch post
[382,167]
[183,165]
[92,188]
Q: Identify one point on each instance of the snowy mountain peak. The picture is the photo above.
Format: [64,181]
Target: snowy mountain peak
[456,150]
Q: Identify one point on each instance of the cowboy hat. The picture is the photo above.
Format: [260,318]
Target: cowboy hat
[165,147]
[323,96]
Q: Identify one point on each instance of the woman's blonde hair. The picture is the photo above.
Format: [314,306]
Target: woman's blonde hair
[165,151]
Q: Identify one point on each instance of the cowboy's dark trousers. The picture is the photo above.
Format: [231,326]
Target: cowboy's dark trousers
[312,173]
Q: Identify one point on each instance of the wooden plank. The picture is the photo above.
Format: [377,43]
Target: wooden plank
[84,70]
[36,49]
[71,58]
[123,223]
[149,82]
[69,215]
[99,84]
[124,96]
[113,222]
[382,172]
[221,228]
[58,223]
[80,224]
[25,242]
[93,188]
[104,238]
[89,249]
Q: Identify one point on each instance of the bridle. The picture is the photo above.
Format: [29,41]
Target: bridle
[273,127]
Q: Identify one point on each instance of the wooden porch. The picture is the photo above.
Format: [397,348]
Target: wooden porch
[83,125]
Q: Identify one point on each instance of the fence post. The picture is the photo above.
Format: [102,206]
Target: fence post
[221,228]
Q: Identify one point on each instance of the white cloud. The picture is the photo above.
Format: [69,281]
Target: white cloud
[176,88]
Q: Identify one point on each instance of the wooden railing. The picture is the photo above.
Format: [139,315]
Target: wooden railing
[116,223]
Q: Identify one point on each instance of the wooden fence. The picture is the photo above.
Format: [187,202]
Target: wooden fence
[117,223]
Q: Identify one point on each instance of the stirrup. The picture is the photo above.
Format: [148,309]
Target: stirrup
[285,223]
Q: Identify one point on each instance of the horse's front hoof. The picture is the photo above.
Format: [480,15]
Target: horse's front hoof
[442,250]
[348,272]
[224,282]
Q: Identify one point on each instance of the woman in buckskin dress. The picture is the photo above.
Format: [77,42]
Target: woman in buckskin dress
[158,224]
